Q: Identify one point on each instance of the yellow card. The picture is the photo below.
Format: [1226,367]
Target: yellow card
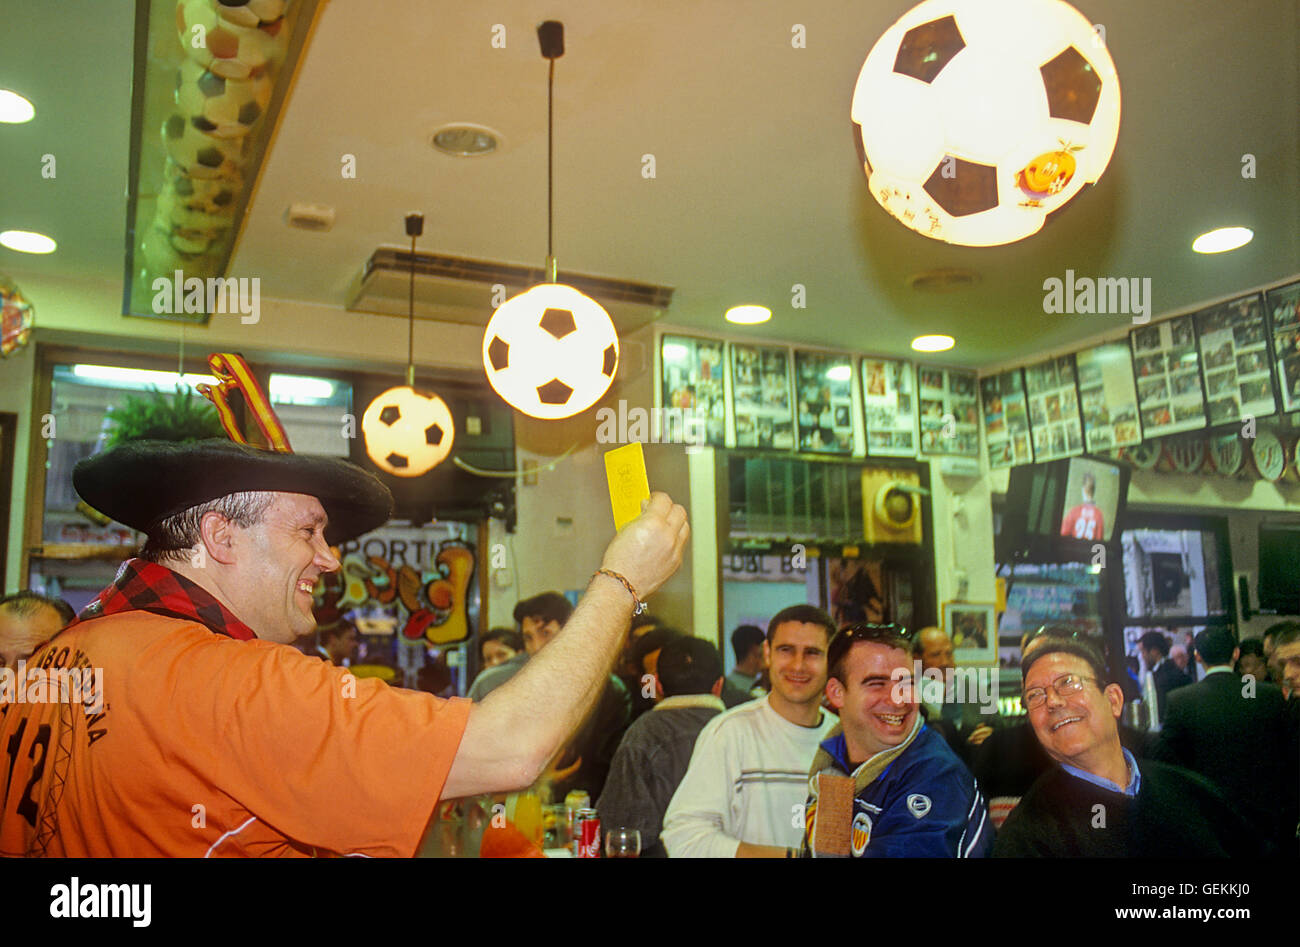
[628,484]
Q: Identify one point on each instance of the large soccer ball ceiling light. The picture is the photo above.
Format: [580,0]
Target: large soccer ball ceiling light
[550,352]
[980,118]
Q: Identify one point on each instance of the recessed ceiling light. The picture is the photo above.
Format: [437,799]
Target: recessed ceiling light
[748,315]
[933,343]
[1223,240]
[466,141]
[14,108]
[24,241]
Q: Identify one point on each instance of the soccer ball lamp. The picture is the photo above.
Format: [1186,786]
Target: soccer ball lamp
[979,119]
[408,432]
[550,352]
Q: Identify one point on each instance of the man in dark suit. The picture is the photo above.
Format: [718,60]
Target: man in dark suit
[1164,673]
[1234,732]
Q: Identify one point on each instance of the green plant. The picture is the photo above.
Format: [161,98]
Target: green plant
[184,416]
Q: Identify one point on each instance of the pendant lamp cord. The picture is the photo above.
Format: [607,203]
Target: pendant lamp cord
[550,158]
[410,323]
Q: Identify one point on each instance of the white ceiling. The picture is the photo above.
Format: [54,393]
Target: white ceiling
[757,185]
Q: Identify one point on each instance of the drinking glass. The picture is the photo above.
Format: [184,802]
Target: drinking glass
[622,843]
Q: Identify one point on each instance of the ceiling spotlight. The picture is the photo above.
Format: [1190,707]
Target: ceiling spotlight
[748,315]
[933,343]
[14,108]
[1223,240]
[24,241]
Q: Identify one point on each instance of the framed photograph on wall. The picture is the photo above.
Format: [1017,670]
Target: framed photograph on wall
[1054,408]
[1283,308]
[692,381]
[760,395]
[1234,351]
[1108,397]
[972,627]
[889,394]
[1166,367]
[949,406]
[824,402]
[1006,420]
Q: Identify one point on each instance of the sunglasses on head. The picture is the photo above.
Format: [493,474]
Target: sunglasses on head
[846,637]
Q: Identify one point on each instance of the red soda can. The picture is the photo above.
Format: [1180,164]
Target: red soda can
[587,836]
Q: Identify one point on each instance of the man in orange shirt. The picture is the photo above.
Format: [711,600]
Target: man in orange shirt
[212,738]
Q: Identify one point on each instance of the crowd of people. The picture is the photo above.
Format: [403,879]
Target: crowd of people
[731,765]
[808,746]
[212,737]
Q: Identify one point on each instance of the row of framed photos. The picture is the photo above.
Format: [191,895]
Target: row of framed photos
[1210,368]
[783,399]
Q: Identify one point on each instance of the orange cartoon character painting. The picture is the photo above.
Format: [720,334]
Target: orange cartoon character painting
[1047,174]
[384,574]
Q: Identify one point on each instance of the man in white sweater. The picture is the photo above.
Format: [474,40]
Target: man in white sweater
[743,793]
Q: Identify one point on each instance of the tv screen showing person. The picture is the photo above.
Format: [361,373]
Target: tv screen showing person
[1093,488]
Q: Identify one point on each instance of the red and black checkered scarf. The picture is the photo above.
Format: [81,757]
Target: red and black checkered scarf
[148,587]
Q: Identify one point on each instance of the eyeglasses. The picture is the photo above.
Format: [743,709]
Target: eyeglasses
[1065,685]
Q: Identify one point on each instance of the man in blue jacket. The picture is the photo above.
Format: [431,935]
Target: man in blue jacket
[912,796]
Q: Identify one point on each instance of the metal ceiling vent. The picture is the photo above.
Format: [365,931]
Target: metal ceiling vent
[942,280]
[456,289]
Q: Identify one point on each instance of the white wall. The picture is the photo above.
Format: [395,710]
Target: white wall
[963,538]
[17,373]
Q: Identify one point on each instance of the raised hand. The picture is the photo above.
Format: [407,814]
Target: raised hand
[648,550]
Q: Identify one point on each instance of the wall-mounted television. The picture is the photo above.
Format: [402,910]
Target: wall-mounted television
[1279,568]
[1061,510]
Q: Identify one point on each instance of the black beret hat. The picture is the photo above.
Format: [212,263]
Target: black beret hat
[139,483]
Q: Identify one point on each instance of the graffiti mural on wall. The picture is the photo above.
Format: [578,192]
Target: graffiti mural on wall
[405,576]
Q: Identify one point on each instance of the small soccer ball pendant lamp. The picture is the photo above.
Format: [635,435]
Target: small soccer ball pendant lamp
[550,352]
[408,432]
[979,119]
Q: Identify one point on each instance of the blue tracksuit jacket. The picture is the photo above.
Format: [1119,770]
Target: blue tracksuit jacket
[924,804]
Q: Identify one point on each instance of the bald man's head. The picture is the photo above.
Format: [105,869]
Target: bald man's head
[28,620]
[933,648]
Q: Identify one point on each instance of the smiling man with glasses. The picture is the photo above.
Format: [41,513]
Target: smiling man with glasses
[1097,802]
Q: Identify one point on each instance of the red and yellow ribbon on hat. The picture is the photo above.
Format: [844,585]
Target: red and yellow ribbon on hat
[233,374]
